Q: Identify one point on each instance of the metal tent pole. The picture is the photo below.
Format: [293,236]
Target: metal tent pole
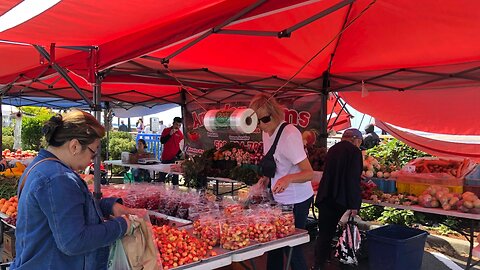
[97,108]
[108,126]
[323,110]
[1,125]
[183,107]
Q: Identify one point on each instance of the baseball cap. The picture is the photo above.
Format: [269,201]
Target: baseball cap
[352,133]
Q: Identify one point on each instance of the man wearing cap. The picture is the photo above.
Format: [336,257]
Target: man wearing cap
[170,139]
[339,190]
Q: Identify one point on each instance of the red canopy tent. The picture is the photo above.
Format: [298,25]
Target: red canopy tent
[413,57]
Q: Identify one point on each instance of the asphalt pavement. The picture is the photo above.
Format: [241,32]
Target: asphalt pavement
[432,260]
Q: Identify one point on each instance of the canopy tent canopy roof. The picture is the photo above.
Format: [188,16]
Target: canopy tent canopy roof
[403,53]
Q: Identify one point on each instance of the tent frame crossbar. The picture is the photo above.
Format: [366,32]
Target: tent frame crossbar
[286,33]
[64,74]
[214,30]
[438,77]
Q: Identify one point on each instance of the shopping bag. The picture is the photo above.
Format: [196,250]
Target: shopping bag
[139,246]
[349,243]
[117,260]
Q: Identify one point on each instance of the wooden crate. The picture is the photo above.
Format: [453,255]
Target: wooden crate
[9,243]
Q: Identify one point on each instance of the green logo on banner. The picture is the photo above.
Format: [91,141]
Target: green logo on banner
[222,120]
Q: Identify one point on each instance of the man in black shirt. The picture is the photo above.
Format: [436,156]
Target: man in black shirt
[122,127]
[339,190]
[371,138]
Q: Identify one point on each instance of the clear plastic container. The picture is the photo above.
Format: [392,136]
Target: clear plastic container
[234,235]
[284,220]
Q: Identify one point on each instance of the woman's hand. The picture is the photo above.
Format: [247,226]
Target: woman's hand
[120,210]
[281,185]
[263,181]
[129,224]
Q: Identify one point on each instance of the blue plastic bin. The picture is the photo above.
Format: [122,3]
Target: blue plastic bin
[473,178]
[396,247]
[385,185]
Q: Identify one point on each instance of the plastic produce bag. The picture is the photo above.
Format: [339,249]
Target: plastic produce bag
[117,260]
[139,246]
[258,194]
[349,243]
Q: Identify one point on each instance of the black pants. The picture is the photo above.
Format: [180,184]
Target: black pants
[162,176]
[330,214]
[275,257]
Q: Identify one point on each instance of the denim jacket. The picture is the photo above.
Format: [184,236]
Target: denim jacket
[59,224]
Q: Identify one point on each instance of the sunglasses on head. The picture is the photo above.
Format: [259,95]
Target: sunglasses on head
[265,119]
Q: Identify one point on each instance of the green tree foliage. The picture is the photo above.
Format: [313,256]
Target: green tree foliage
[7,138]
[31,133]
[7,142]
[119,145]
[32,123]
[123,138]
[395,152]
[7,131]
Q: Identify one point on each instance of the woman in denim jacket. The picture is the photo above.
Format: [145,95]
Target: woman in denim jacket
[59,225]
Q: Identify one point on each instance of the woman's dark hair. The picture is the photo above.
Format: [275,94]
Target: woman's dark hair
[177,120]
[75,124]
[142,141]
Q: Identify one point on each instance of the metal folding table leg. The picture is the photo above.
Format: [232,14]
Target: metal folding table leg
[289,258]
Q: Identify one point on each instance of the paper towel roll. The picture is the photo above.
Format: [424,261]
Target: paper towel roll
[238,120]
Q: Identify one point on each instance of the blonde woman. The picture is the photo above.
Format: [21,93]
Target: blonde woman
[291,181]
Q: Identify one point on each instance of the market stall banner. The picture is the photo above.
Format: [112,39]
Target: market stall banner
[304,113]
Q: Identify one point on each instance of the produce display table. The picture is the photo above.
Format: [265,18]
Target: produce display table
[226,257]
[159,167]
[469,235]
[219,180]
[165,168]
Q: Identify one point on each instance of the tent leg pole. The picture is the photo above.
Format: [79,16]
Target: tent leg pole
[183,107]
[323,110]
[98,115]
[1,124]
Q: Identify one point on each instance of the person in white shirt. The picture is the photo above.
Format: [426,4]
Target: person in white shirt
[293,173]
[161,127]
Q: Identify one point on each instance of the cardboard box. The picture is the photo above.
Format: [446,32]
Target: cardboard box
[9,243]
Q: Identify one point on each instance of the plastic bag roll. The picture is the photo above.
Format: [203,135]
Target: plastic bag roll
[238,121]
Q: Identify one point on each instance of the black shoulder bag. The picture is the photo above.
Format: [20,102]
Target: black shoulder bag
[267,164]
